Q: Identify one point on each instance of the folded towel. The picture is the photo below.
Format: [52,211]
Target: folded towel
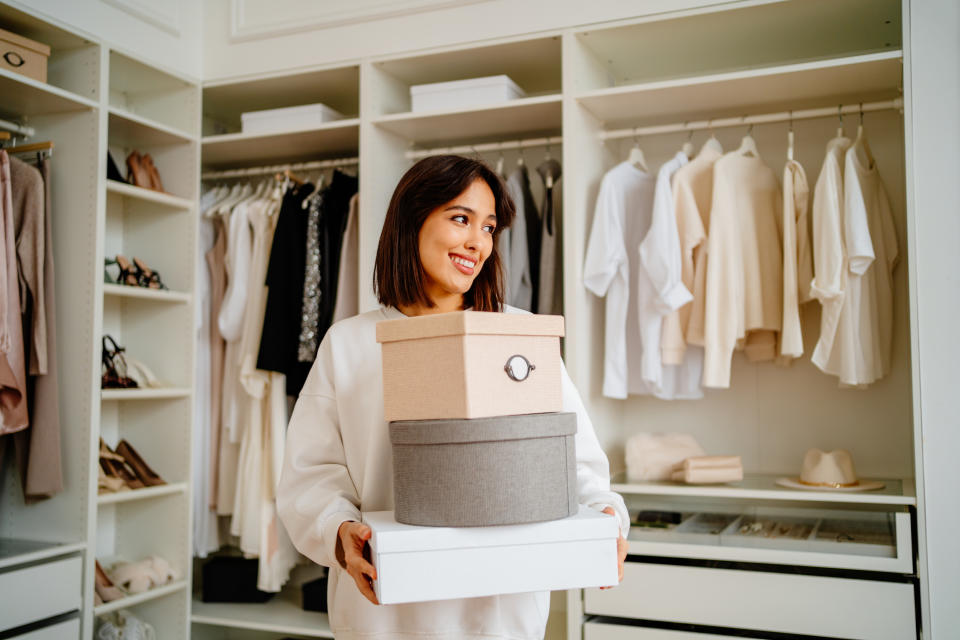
[709,470]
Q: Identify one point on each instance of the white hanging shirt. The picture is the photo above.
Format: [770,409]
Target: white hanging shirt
[797,260]
[862,348]
[745,267]
[621,220]
[829,252]
[660,291]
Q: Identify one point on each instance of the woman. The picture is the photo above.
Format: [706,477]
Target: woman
[437,254]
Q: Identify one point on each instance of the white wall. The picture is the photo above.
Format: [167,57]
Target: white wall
[166,33]
[247,37]
[934,69]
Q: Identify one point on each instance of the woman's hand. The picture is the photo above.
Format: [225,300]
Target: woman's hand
[622,547]
[352,541]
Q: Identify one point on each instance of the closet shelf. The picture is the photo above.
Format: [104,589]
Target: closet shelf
[140,598]
[144,394]
[282,614]
[149,195]
[26,96]
[159,295]
[331,138]
[764,487]
[819,83]
[142,494]
[17,551]
[524,117]
[133,131]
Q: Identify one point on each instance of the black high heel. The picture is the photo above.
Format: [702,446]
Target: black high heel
[114,375]
[147,277]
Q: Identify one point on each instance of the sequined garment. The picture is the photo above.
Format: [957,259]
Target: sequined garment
[310,311]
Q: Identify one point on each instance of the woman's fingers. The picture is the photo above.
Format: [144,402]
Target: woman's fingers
[363,584]
[359,568]
[622,547]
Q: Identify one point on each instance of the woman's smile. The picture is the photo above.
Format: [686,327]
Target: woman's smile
[463,263]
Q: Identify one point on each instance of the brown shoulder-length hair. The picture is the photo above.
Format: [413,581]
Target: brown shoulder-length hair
[398,276]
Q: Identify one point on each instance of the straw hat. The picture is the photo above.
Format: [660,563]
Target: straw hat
[831,471]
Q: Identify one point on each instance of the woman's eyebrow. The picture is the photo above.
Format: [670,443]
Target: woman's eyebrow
[460,207]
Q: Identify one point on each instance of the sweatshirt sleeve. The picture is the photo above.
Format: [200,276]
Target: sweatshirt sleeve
[316,493]
[660,250]
[593,469]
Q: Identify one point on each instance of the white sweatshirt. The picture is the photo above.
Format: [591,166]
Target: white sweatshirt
[338,462]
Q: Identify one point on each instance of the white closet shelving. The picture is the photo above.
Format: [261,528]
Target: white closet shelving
[98,97]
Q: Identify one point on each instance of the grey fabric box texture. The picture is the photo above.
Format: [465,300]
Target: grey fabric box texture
[485,471]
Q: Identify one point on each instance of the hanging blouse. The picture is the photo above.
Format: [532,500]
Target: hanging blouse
[797,260]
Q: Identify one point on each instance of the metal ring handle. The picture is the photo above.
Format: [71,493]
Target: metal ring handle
[14,59]
[518,368]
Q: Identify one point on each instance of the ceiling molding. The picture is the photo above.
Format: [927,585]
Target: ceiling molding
[163,15]
[246,25]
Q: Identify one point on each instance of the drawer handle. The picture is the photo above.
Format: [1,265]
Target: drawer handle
[518,368]
[14,59]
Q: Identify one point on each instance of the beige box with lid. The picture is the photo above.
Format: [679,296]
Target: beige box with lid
[23,55]
[470,364]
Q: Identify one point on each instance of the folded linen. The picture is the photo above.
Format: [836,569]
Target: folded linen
[708,470]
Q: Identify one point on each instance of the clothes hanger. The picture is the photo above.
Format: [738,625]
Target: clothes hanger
[790,139]
[687,147]
[520,158]
[31,148]
[636,157]
[712,143]
[861,142]
[500,163]
[748,146]
[840,133]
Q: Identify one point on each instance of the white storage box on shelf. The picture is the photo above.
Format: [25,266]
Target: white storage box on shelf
[307,116]
[461,94]
[418,564]
[470,364]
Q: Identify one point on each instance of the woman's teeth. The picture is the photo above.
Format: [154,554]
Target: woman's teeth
[467,263]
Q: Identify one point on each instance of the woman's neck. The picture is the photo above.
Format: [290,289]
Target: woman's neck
[441,304]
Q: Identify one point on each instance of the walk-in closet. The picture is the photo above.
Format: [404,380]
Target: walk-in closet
[203,237]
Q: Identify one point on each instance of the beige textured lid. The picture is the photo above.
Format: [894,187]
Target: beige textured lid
[469,322]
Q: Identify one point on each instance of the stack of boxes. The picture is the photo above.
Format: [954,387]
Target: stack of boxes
[484,463]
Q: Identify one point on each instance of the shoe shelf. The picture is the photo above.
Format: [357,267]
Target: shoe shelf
[138,195]
[756,486]
[132,130]
[817,83]
[336,138]
[142,494]
[19,551]
[523,117]
[26,95]
[143,293]
[154,393]
[281,615]
[130,601]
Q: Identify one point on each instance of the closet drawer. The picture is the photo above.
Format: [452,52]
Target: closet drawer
[40,591]
[608,631]
[762,601]
[66,630]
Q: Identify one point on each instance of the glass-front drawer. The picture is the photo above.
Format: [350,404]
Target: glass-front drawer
[817,537]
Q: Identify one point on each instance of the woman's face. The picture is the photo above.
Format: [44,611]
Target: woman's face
[455,241]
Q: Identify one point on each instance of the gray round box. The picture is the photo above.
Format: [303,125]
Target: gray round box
[485,471]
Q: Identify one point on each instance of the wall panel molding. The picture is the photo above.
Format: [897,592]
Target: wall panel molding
[163,15]
[258,19]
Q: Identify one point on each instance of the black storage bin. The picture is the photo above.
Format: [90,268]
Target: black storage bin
[315,595]
[232,579]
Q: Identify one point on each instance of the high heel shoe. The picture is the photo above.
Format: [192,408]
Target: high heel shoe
[114,373]
[104,587]
[152,172]
[117,466]
[145,474]
[126,273]
[137,172]
[147,277]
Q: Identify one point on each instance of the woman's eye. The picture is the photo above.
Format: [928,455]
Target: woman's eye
[490,228]
[461,219]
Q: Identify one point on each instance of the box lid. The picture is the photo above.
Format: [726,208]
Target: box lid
[291,111]
[459,323]
[391,536]
[534,425]
[469,83]
[26,43]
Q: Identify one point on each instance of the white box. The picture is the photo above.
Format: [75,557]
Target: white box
[460,94]
[419,564]
[307,116]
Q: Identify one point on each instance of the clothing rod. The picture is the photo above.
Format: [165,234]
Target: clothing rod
[277,168]
[416,154]
[764,118]
[20,130]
